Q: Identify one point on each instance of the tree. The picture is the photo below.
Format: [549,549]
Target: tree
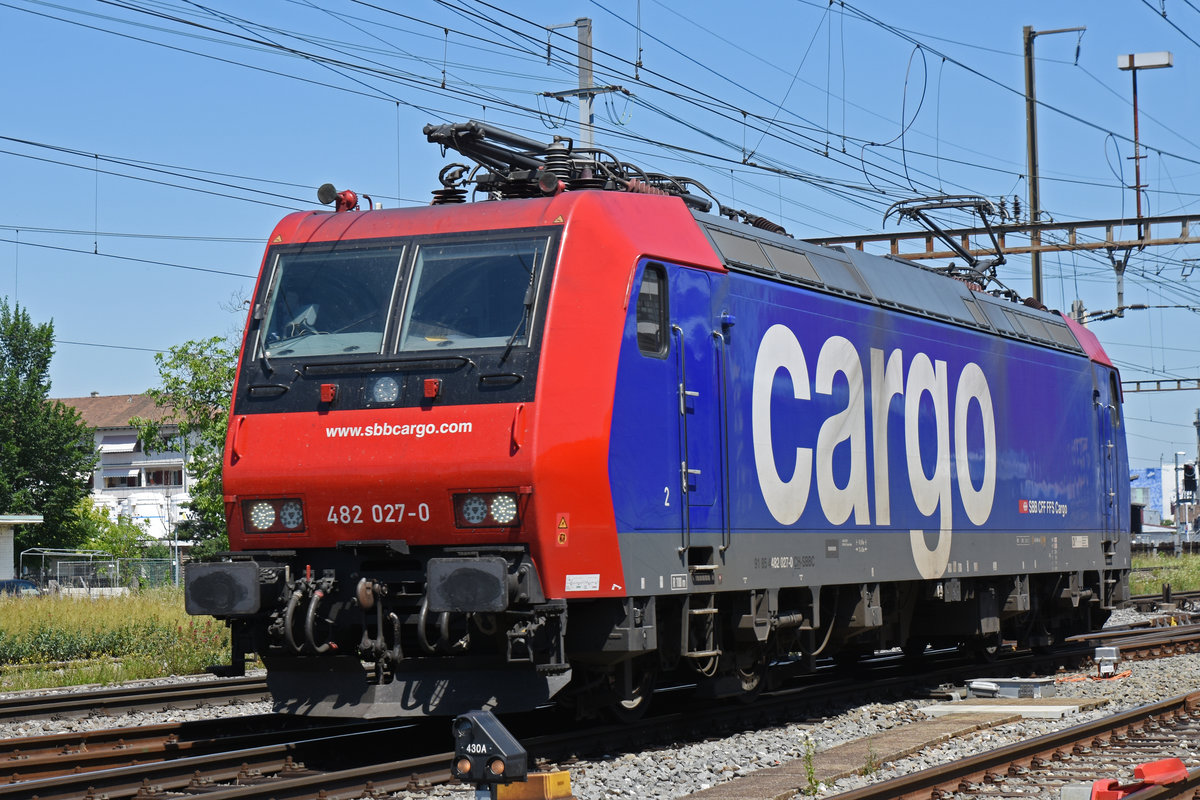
[197,387]
[120,538]
[46,451]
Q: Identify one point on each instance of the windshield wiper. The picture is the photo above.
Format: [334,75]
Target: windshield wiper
[523,324]
[262,349]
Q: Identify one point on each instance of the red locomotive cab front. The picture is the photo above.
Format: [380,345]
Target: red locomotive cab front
[378,473]
[366,363]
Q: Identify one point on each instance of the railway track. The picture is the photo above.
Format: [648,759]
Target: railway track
[191,694]
[1105,749]
[269,761]
[1136,644]
[36,757]
[283,757]
[246,766]
[1167,600]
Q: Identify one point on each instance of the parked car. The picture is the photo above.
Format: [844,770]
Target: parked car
[19,586]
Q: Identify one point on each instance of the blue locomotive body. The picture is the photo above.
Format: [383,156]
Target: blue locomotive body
[829,426]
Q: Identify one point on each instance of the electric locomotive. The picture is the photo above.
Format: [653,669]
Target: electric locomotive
[580,435]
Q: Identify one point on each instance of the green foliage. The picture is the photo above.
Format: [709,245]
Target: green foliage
[120,538]
[46,451]
[1152,571]
[197,384]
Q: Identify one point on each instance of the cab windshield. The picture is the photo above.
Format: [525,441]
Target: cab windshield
[411,295]
[471,295]
[330,302]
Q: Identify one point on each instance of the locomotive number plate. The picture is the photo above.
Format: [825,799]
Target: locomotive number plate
[379,513]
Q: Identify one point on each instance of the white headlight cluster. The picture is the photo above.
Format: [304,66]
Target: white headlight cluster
[486,510]
[285,515]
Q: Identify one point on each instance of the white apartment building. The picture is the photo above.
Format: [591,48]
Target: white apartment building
[147,487]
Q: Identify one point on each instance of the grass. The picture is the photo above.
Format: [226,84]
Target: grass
[55,640]
[1152,571]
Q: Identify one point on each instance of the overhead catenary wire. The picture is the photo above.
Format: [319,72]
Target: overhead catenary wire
[767,166]
[809,182]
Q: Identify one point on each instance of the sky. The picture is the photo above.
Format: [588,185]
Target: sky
[148,147]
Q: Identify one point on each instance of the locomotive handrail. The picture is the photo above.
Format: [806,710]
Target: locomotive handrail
[268,389]
[235,454]
[511,378]
[683,443]
[726,520]
[335,367]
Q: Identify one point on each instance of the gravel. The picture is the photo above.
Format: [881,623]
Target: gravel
[670,773]
[673,773]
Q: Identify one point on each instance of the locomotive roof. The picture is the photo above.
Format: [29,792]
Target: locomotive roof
[514,166]
[882,281]
[891,283]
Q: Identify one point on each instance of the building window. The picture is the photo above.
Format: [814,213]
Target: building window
[121,482]
[164,477]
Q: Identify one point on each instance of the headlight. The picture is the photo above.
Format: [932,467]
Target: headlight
[486,510]
[291,514]
[262,515]
[385,390]
[504,509]
[474,509]
[283,515]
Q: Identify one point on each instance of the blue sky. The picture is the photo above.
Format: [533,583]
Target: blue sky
[150,145]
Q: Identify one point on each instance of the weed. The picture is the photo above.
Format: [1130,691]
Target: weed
[872,764]
[813,786]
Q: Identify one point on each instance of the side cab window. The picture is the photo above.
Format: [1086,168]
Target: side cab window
[1114,393]
[652,311]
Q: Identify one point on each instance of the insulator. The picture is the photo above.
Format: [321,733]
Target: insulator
[639,187]
[588,183]
[448,195]
[765,224]
[1016,206]
[558,160]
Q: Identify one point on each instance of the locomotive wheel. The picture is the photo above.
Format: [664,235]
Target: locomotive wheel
[630,701]
[986,648]
[847,659]
[915,648]
[751,672]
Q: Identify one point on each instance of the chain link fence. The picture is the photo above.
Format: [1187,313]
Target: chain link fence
[92,572]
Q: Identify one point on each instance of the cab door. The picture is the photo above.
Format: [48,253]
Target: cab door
[697,349]
[1111,441]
